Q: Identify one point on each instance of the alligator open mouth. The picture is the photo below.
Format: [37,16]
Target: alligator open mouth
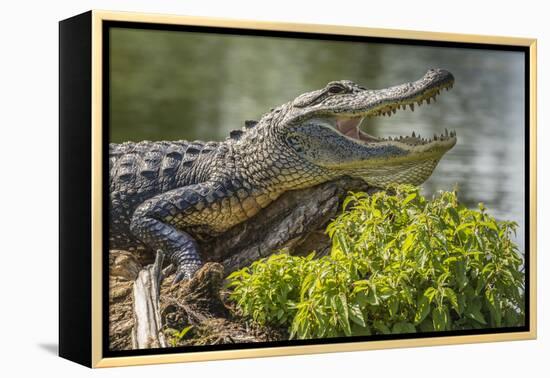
[354,126]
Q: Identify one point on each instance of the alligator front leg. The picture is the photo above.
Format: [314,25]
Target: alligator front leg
[158,222]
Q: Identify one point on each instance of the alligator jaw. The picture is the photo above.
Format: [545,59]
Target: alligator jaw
[353,126]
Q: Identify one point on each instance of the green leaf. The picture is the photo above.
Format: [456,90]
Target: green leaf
[360,299]
[403,327]
[440,318]
[491,225]
[422,309]
[454,215]
[511,318]
[473,312]
[347,201]
[494,307]
[381,327]
[461,277]
[357,330]
[181,334]
[356,315]
[430,293]
[409,198]
[306,285]
[372,298]
[463,226]
[407,244]
[481,282]
[342,242]
[393,307]
[451,296]
[426,325]
[343,318]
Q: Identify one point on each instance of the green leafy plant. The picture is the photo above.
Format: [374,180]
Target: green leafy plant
[399,264]
[177,336]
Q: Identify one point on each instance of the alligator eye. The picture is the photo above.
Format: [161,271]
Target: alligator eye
[336,89]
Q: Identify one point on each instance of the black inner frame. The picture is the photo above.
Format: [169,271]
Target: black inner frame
[108,25]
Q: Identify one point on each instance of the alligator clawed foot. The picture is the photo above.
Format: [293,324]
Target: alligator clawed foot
[184,274]
[180,276]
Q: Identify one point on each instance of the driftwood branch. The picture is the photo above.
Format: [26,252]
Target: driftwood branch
[147,331]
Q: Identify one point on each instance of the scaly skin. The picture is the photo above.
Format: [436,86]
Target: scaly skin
[165,195]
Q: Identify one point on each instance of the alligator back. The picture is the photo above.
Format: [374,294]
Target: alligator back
[138,171]
[153,161]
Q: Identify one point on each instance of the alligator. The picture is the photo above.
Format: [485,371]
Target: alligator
[168,195]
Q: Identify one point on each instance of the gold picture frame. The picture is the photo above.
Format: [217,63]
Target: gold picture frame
[91,25]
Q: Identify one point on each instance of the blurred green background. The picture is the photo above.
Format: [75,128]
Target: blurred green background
[169,85]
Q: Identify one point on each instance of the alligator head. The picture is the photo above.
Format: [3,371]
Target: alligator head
[327,127]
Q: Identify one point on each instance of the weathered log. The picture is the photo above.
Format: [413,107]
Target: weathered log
[147,331]
[193,301]
[124,268]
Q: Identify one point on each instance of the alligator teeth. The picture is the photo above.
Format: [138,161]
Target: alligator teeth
[446,132]
[413,135]
[411,106]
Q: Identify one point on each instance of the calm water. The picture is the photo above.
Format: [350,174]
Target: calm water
[175,85]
